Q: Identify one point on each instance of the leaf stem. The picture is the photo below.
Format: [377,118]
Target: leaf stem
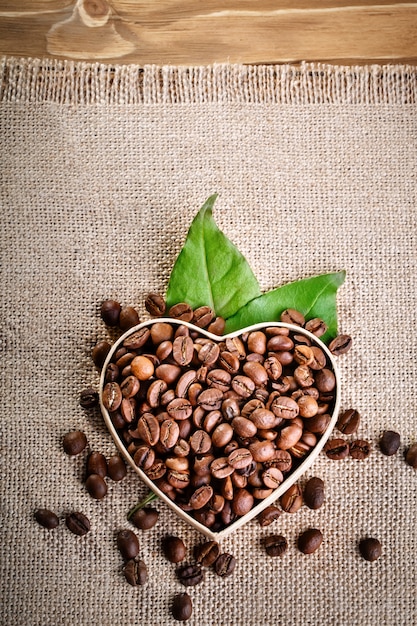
[150,497]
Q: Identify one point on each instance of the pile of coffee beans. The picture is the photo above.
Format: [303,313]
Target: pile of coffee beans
[217,425]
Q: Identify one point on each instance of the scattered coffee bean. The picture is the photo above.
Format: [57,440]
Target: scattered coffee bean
[190,575]
[96,464]
[370,548]
[96,486]
[128,544]
[348,422]
[268,515]
[389,443]
[100,352]
[174,549]
[110,312]
[360,449]
[291,316]
[182,607]
[145,518]
[181,311]
[275,545]
[225,565]
[292,500]
[155,305]
[116,468]
[310,541]
[128,318]
[47,519]
[74,442]
[337,449]
[314,493]
[88,398]
[411,455]
[135,572]
[207,553]
[340,345]
[78,523]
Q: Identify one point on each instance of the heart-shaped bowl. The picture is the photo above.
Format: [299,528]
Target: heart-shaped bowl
[122,438]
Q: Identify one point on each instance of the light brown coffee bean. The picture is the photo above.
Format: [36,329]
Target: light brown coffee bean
[201,497]
[169,433]
[240,458]
[292,500]
[200,442]
[222,434]
[183,350]
[243,427]
[220,467]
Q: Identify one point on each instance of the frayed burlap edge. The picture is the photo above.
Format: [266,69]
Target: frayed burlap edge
[26,80]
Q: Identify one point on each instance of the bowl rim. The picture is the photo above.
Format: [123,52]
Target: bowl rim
[284,486]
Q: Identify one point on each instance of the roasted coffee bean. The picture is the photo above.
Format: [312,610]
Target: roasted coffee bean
[128,318]
[319,423]
[96,486]
[220,379]
[112,396]
[229,362]
[292,500]
[145,518]
[128,544]
[169,433]
[268,515]
[100,352]
[190,575]
[240,458]
[340,345]
[359,449]
[183,350]
[155,305]
[181,311]
[77,523]
[284,407]
[148,429]
[96,464]
[389,443]
[243,427]
[348,421]
[220,467]
[144,457]
[135,572]
[272,477]
[201,497]
[370,548]
[88,398]
[203,316]
[337,449]
[411,455]
[243,385]
[174,549]
[291,316]
[242,502]
[116,468]
[222,434]
[137,339]
[217,326]
[275,545]
[325,380]
[47,519]
[314,493]
[207,553]
[316,326]
[161,331]
[310,541]
[182,607]
[225,565]
[210,399]
[262,451]
[74,442]
[112,373]
[289,436]
[110,312]
[157,470]
[200,442]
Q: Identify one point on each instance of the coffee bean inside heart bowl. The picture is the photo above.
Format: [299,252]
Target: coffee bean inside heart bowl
[219,427]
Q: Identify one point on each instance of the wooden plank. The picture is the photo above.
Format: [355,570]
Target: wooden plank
[191,33]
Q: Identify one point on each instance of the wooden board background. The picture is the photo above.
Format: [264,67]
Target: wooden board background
[193,32]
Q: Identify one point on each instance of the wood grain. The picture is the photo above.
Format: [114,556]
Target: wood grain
[189,32]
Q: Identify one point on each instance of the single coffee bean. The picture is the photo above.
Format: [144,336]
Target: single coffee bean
[370,548]
[47,519]
[203,316]
[314,493]
[128,318]
[272,477]
[200,442]
[240,458]
[137,339]
[217,326]
[206,553]
[275,545]
[292,500]
[201,497]
[169,434]
[182,607]
[135,572]
[242,502]
[319,423]
[174,549]
[284,407]
[149,429]
[340,345]
[96,486]
[210,399]
[88,398]
[411,455]
[225,565]
[183,350]
[128,544]
[229,362]
[190,575]
[389,443]
[181,311]
[100,352]
[112,373]
[310,541]
[144,457]
[209,353]
[268,515]
[325,380]
[337,449]
[112,396]
[243,385]
[291,316]
[359,449]
[348,421]
[316,326]
[78,523]
[116,468]
[74,442]
[110,311]
[96,464]
[145,518]
[155,305]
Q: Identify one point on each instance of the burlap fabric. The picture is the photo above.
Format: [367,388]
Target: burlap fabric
[102,171]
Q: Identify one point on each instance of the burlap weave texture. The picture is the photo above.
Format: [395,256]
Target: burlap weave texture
[99,186]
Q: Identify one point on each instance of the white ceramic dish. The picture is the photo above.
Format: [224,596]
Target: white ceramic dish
[291,478]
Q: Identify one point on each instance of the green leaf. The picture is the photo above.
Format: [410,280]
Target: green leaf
[314,297]
[210,270]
